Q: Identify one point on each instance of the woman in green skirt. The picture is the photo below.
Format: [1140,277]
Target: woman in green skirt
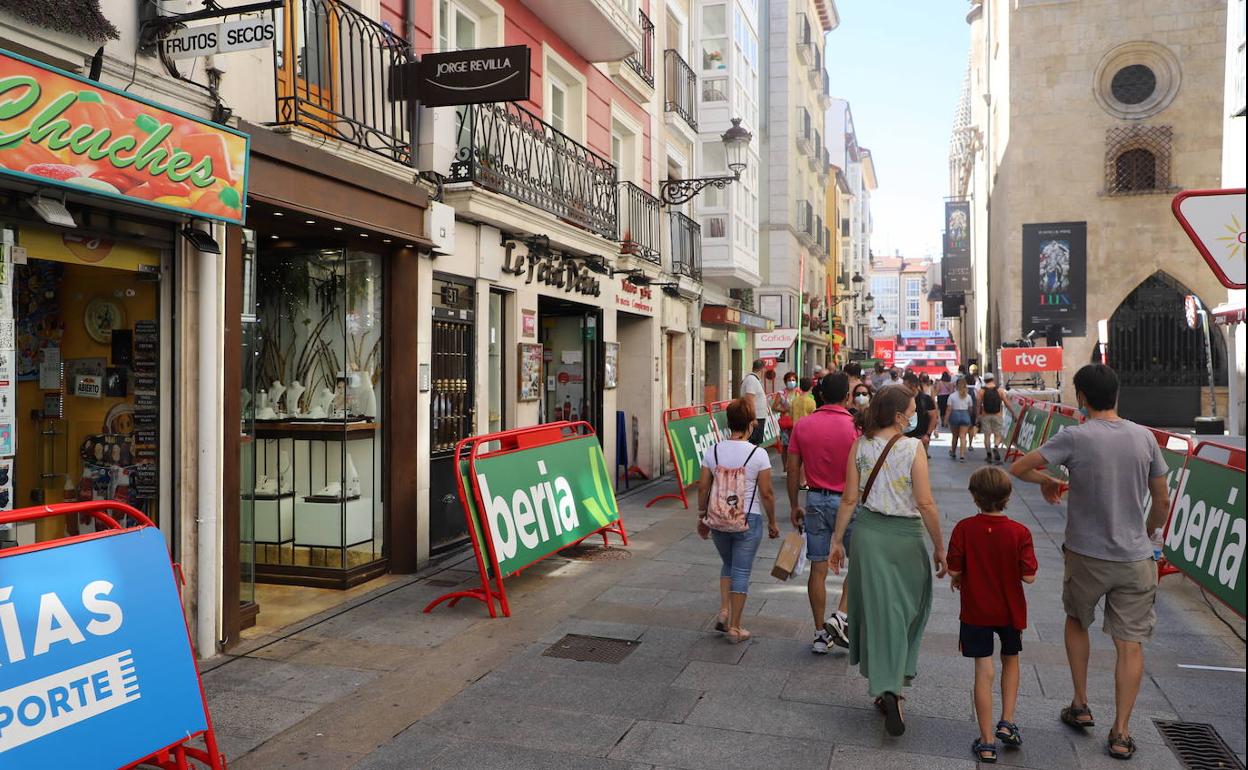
[890,582]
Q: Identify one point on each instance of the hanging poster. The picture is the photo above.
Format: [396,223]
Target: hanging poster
[530,371]
[1055,278]
[955,265]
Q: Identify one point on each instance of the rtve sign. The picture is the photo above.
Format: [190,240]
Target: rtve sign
[1031,359]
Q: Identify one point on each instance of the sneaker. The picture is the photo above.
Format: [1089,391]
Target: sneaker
[837,627]
[996,456]
[821,644]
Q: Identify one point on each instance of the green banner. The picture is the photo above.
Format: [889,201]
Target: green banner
[771,429]
[1031,430]
[1174,464]
[720,418]
[1057,421]
[540,500]
[1207,530]
[690,437]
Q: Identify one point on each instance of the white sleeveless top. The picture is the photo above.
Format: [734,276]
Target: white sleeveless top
[893,492]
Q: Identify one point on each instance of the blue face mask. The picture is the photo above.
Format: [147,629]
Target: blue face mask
[790,384]
[914,423]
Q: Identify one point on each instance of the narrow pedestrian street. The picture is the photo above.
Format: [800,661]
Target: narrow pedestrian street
[378,685]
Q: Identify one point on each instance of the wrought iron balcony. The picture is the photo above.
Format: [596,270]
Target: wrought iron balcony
[642,62]
[336,71]
[825,96]
[639,223]
[686,246]
[681,88]
[805,41]
[505,148]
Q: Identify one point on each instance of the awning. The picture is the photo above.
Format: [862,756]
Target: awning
[733,318]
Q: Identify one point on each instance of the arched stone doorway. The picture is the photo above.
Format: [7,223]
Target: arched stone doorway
[1159,360]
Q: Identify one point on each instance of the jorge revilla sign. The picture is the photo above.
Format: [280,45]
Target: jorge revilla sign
[476,76]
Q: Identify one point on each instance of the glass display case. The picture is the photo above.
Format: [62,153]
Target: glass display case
[316,494]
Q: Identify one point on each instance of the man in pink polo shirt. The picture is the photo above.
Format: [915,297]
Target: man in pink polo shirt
[820,444]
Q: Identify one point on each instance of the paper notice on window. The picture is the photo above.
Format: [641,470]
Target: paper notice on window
[570,356]
[50,369]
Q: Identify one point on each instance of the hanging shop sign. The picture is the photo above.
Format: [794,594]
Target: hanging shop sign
[955,264]
[1207,531]
[1214,220]
[228,37]
[475,76]
[61,130]
[556,270]
[97,667]
[885,350]
[776,339]
[1031,359]
[1055,277]
[754,321]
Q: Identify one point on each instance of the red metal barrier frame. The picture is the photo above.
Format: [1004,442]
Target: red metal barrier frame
[1162,438]
[512,441]
[681,413]
[176,755]
[1025,403]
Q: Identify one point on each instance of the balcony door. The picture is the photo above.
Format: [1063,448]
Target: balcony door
[459,28]
[308,55]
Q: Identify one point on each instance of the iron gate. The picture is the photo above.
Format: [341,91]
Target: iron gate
[1160,361]
[452,415]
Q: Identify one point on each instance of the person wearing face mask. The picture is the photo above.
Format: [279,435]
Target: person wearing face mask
[784,406]
[861,398]
[888,494]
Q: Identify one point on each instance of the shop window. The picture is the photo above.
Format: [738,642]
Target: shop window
[317,494]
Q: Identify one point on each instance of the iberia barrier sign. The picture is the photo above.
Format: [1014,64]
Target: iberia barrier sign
[60,130]
[96,668]
[1031,429]
[691,437]
[1207,533]
[537,501]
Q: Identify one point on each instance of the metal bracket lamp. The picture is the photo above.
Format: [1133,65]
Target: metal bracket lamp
[736,139]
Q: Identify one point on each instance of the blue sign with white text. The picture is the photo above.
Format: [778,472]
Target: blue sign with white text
[96,670]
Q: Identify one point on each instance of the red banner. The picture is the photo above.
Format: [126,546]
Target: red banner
[884,350]
[1031,359]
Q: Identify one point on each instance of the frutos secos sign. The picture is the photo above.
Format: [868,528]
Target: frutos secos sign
[226,37]
[60,130]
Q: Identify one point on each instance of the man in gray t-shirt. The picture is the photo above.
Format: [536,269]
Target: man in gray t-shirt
[1114,466]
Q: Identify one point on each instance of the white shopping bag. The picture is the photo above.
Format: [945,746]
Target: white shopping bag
[801,558]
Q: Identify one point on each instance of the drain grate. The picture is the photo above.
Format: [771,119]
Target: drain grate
[595,553]
[1198,746]
[591,649]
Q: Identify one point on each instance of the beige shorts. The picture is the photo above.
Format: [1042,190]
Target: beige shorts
[992,425]
[1129,589]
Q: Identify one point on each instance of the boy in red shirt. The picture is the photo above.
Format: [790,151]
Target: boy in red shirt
[990,557]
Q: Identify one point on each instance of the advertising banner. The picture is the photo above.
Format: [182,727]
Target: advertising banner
[1207,535]
[690,438]
[1031,359]
[1031,431]
[955,263]
[884,350]
[1055,277]
[1057,421]
[720,418]
[540,500]
[776,339]
[771,429]
[97,666]
[61,130]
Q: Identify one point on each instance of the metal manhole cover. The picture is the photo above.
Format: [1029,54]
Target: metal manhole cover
[1198,746]
[595,553]
[591,649]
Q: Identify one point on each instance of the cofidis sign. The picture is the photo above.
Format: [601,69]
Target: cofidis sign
[96,669]
[58,129]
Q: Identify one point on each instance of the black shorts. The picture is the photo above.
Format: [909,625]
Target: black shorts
[976,641]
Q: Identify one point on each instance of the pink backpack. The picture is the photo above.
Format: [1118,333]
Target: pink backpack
[725,513]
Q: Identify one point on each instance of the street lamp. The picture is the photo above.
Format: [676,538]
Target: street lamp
[868,303]
[736,143]
[880,320]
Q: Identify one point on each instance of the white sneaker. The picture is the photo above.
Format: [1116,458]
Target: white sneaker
[821,643]
[837,627]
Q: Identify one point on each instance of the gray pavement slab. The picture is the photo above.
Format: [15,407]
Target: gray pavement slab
[692,747]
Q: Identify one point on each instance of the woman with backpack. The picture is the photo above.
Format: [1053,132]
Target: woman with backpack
[734,492]
[888,494]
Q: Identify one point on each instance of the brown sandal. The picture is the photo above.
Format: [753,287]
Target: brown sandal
[1125,742]
[1072,713]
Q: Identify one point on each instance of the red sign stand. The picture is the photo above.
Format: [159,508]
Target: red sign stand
[178,756]
[467,451]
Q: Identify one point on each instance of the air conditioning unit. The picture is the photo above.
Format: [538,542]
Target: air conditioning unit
[440,225]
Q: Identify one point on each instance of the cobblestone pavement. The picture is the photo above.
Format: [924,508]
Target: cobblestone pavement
[378,685]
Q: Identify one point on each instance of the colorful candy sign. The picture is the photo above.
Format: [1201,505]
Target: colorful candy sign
[58,129]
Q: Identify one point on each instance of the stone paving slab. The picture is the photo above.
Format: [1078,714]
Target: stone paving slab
[692,747]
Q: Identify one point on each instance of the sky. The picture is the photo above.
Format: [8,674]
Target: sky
[901,63]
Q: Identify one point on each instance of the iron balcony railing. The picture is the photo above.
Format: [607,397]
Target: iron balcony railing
[682,88]
[642,62]
[805,40]
[686,246]
[505,148]
[338,73]
[639,223]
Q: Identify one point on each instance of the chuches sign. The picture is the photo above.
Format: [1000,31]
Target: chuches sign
[57,129]
[536,501]
[95,667]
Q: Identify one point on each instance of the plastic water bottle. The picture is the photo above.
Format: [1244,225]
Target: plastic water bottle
[1155,537]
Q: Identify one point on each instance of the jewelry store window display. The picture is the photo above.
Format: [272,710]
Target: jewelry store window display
[316,395]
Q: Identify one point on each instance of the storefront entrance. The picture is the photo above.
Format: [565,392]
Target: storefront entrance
[84,420]
[571,334]
[451,412]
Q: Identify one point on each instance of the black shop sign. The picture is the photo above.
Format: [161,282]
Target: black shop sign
[554,270]
[477,76]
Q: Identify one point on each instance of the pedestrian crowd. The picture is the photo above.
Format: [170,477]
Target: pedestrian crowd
[856,470]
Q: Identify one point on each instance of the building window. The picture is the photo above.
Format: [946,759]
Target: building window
[1133,84]
[564,105]
[1137,159]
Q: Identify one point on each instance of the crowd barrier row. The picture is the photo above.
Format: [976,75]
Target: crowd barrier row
[1205,533]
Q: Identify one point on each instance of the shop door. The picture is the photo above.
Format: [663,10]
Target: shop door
[451,411]
[738,367]
[574,353]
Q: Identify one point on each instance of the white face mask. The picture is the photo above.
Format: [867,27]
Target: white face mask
[790,384]
[862,399]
